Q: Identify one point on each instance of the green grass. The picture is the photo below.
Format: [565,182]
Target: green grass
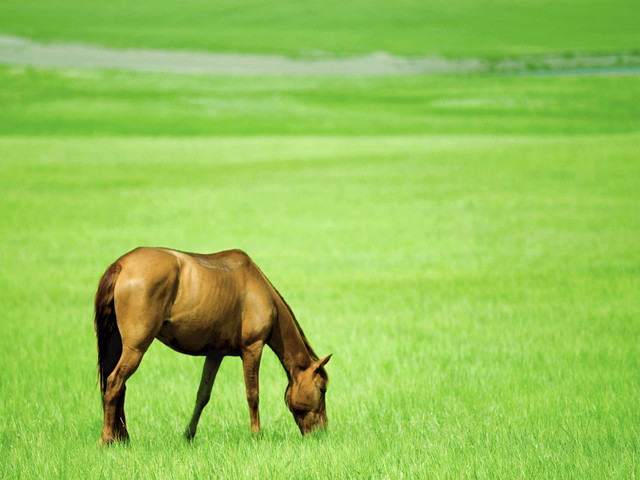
[458,28]
[465,246]
[479,295]
[95,102]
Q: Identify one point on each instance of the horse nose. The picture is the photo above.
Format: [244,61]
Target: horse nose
[319,422]
[323,421]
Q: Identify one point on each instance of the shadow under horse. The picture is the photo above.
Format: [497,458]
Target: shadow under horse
[209,305]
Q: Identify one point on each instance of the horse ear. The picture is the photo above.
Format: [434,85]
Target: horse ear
[323,362]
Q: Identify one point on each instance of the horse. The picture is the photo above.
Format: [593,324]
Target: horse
[212,305]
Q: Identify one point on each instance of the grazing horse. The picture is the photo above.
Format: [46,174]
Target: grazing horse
[209,305]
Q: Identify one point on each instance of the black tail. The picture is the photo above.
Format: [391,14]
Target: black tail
[109,340]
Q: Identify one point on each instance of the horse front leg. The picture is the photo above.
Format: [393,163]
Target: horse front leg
[251,366]
[211,366]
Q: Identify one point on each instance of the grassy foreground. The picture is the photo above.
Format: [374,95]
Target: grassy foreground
[459,28]
[479,295]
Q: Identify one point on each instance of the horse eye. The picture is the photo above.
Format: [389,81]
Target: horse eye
[323,390]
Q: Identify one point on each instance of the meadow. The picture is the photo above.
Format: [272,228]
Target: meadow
[465,246]
[460,28]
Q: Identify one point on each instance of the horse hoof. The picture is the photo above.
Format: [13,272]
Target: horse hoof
[188,434]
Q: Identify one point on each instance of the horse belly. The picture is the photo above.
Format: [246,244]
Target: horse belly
[199,330]
[206,314]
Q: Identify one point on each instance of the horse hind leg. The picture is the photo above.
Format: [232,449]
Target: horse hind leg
[139,320]
[114,427]
[120,429]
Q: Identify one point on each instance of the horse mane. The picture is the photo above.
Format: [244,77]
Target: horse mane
[313,355]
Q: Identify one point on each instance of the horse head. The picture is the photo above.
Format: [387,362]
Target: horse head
[305,396]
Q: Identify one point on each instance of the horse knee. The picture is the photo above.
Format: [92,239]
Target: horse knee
[111,397]
[114,390]
[253,399]
[203,400]
[129,362]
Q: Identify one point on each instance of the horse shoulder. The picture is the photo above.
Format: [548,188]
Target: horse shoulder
[259,307]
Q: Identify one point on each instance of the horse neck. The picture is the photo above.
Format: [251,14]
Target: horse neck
[287,341]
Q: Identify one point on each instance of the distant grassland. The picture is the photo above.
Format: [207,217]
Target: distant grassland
[456,28]
[95,102]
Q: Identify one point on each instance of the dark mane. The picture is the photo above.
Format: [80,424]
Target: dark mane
[312,354]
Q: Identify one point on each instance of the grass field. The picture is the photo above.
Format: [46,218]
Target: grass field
[93,102]
[465,246]
[482,311]
[460,28]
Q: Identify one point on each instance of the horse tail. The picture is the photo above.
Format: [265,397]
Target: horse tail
[107,333]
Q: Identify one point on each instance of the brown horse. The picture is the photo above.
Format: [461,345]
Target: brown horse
[210,305]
